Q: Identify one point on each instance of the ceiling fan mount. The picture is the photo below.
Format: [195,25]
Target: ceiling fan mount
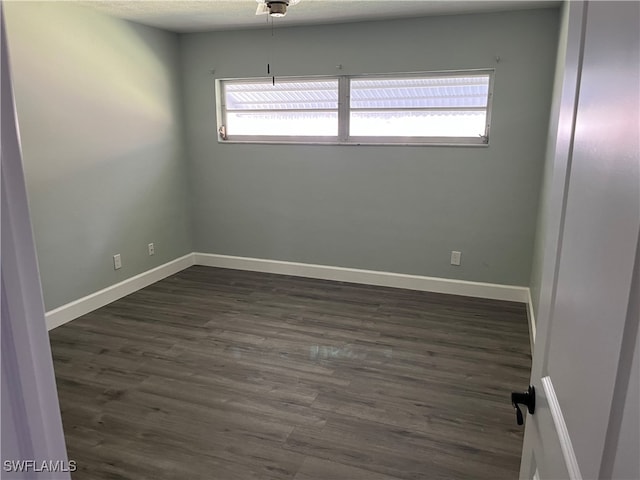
[275,8]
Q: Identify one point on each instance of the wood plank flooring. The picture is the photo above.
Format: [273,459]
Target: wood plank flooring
[222,374]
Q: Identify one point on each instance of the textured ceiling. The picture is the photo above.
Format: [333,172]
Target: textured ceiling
[208,15]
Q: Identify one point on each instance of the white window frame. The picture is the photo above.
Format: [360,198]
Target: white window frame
[344,113]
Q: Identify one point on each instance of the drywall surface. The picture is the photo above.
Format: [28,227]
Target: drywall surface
[393,208]
[100,116]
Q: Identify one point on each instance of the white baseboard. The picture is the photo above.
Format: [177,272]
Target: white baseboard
[82,306]
[368,277]
[532,321]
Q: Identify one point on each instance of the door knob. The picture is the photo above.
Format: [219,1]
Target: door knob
[527,398]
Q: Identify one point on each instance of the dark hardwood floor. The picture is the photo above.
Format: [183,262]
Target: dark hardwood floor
[222,374]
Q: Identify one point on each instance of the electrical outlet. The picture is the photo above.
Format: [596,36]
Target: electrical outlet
[455,257]
[152,249]
[117,262]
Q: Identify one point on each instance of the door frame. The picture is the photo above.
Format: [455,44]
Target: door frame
[559,156]
[32,426]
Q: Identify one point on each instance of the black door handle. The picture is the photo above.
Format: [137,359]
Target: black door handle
[527,398]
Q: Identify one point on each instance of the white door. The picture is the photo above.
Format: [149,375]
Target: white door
[587,332]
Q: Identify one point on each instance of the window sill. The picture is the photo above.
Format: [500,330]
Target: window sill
[353,144]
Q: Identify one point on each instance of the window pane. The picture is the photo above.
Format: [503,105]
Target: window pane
[284,95]
[438,106]
[316,124]
[434,92]
[427,123]
[288,108]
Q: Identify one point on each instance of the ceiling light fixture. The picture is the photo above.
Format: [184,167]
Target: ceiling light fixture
[275,8]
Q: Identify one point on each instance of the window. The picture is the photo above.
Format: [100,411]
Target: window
[429,108]
[286,108]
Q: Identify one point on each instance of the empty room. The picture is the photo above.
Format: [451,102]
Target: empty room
[320,239]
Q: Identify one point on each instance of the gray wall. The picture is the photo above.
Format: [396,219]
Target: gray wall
[100,115]
[398,209]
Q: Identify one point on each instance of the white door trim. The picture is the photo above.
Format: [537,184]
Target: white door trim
[568,453]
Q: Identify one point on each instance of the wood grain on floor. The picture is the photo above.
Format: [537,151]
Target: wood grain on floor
[223,374]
